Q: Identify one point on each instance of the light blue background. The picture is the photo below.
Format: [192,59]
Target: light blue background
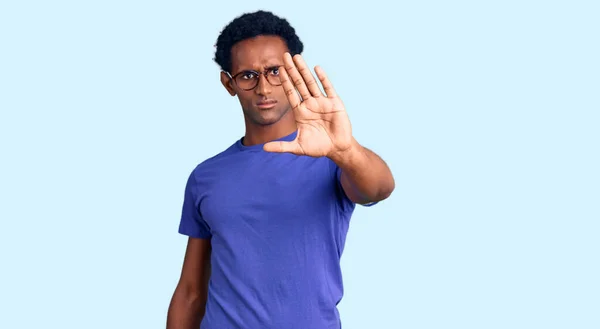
[487,113]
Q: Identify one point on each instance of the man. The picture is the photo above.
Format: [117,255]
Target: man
[267,218]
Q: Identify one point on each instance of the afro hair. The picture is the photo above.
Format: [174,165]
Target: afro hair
[250,25]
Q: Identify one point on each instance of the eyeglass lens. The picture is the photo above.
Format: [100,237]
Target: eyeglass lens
[249,79]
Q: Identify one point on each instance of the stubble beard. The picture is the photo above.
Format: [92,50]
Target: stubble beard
[255,116]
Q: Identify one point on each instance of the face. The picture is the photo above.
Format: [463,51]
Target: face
[266,104]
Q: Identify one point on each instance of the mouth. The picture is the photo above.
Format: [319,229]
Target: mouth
[266,104]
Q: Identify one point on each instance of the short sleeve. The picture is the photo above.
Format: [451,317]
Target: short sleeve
[346,205]
[191,223]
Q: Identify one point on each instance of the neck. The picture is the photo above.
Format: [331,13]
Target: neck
[256,134]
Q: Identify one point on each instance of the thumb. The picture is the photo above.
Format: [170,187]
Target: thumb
[283,147]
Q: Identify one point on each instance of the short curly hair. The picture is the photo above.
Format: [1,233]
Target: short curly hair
[250,25]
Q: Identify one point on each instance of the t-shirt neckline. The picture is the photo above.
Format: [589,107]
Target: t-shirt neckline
[259,147]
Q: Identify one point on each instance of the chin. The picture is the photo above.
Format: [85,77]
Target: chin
[267,118]
[266,121]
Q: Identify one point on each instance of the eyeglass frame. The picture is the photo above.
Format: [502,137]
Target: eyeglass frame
[257,73]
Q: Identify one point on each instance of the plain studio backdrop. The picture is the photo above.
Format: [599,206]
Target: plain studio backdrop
[487,113]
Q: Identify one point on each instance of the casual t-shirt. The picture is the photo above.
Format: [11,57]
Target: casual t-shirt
[277,224]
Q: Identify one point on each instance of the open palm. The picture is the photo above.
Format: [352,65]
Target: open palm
[323,124]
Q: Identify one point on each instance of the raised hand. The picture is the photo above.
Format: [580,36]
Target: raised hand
[324,128]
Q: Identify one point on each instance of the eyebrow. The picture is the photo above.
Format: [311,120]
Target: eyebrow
[269,67]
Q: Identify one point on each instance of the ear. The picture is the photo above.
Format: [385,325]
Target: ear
[227,83]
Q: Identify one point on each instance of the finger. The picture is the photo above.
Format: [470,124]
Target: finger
[329,90]
[290,91]
[283,147]
[309,79]
[294,76]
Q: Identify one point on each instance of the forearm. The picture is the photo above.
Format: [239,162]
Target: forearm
[365,176]
[186,309]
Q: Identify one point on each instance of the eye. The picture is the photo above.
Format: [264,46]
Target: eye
[248,75]
[274,71]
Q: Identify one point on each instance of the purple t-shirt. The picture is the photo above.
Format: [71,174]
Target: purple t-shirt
[278,224]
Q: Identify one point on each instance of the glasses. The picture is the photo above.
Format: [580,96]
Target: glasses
[248,79]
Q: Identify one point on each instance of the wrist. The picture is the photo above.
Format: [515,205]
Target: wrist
[348,155]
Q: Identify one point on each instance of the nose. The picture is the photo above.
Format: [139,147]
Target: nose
[263,87]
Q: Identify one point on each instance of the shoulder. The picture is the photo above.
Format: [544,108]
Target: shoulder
[216,161]
[208,171]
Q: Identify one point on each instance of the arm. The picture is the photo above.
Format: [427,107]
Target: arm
[324,129]
[188,303]
[365,176]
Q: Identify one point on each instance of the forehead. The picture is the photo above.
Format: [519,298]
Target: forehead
[257,53]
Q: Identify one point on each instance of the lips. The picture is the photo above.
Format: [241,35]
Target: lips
[266,104]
